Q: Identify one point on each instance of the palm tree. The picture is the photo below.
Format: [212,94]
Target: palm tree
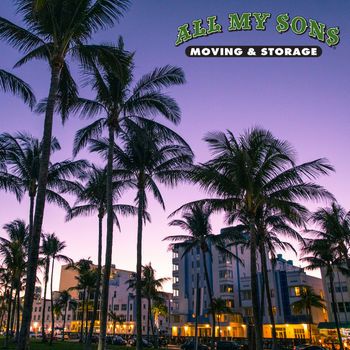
[83,268]
[56,247]
[196,222]
[150,289]
[334,225]
[151,152]
[93,193]
[309,299]
[24,154]
[14,252]
[219,308]
[250,172]
[64,302]
[57,29]
[119,101]
[159,309]
[116,318]
[326,258]
[11,83]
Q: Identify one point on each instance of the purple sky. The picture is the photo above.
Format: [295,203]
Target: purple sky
[302,100]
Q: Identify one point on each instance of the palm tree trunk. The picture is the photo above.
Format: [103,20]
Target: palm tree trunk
[82,318]
[254,285]
[18,307]
[141,198]
[109,244]
[13,313]
[98,283]
[268,296]
[310,325]
[148,317]
[331,281]
[33,253]
[52,313]
[64,322]
[31,219]
[8,317]
[210,299]
[43,338]
[87,313]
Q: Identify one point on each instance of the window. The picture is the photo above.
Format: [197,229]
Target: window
[205,290]
[337,287]
[144,317]
[296,311]
[35,309]
[225,274]
[116,307]
[130,318]
[247,294]
[192,264]
[143,328]
[205,304]
[115,294]
[49,308]
[124,307]
[34,317]
[175,254]
[198,263]
[175,279]
[230,303]
[175,292]
[144,306]
[297,291]
[68,317]
[176,306]
[175,267]
[130,307]
[40,309]
[272,293]
[299,333]
[47,317]
[341,307]
[38,317]
[198,250]
[248,311]
[109,307]
[344,287]
[226,288]
[161,322]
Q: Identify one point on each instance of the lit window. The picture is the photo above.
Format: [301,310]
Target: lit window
[297,291]
[175,267]
[175,292]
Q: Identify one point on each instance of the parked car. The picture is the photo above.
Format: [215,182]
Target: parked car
[132,342]
[59,337]
[226,345]
[109,339]
[31,334]
[94,339]
[301,346]
[119,341]
[190,346]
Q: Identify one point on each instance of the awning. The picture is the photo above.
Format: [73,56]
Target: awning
[331,325]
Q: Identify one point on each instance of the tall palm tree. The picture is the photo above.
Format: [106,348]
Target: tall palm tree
[24,154]
[151,152]
[150,289]
[93,194]
[57,29]
[116,97]
[19,88]
[254,170]
[196,222]
[56,248]
[65,303]
[324,256]
[219,308]
[309,299]
[159,309]
[14,253]
[333,224]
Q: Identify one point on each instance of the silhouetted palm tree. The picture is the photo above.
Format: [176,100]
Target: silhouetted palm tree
[219,308]
[252,171]
[196,222]
[57,29]
[308,300]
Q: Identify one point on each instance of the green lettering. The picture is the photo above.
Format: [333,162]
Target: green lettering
[333,38]
[198,30]
[317,30]
[213,26]
[184,35]
[294,25]
[283,25]
[239,24]
[261,20]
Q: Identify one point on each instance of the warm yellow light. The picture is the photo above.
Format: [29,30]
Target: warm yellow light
[243,325]
[186,328]
[287,325]
[229,328]
[174,328]
[193,315]
[304,325]
[207,325]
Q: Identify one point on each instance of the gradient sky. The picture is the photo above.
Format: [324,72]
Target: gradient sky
[302,100]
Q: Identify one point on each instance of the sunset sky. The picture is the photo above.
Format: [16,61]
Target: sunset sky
[302,100]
